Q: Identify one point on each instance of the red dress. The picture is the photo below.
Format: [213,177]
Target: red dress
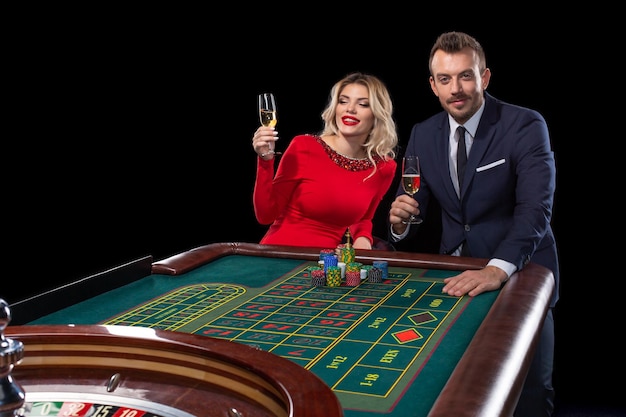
[317,194]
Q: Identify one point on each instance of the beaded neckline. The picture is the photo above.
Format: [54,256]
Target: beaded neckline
[351,164]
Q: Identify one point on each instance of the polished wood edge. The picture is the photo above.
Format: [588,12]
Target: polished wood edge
[503,336]
[201,368]
[191,259]
[293,383]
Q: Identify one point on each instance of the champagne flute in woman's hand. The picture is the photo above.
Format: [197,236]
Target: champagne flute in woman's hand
[267,115]
[411,181]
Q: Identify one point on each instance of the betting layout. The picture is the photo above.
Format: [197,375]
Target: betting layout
[369,340]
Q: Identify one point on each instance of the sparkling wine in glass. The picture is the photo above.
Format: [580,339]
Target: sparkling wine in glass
[411,181]
[267,114]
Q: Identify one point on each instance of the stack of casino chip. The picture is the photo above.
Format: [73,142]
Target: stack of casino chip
[353,278]
[353,266]
[318,278]
[347,255]
[367,269]
[333,276]
[363,274]
[383,266]
[325,252]
[330,260]
[342,266]
[375,275]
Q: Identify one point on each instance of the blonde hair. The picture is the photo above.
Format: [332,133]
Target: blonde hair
[383,139]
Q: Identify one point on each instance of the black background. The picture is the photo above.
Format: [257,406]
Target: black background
[133,137]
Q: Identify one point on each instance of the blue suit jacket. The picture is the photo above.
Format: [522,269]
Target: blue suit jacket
[506,201]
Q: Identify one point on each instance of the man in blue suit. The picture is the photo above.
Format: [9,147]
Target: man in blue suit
[503,208]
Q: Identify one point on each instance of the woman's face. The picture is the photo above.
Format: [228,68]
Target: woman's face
[354,116]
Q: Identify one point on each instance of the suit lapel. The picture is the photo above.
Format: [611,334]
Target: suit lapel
[443,155]
[483,138]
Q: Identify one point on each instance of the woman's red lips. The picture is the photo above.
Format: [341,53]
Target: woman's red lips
[347,120]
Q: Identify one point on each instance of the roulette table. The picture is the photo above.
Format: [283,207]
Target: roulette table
[117,371]
[399,347]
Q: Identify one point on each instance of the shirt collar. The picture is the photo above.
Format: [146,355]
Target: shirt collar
[471,125]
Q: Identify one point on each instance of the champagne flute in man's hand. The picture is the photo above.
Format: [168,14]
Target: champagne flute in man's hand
[267,115]
[411,181]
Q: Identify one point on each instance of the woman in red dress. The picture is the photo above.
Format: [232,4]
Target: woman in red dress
[328,183]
